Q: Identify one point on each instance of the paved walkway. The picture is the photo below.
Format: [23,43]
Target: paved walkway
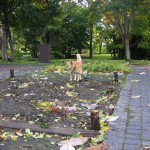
[132,130]
[18,70]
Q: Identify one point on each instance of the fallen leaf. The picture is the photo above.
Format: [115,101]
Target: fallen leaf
[142,73]
[14,137]
[89,106]
[136,97]
[112,118]
[28,133]
[67,146]
[98,138]
[72,94]
[73,108]
[16,117]
[70,86]
[98,147]
[18,132]
[74,141]
[45,78]
[111,106]
[8,94]
[135,80]
[44,104]
[38,135]
[31,122]
[92,89]
[5,135]
[105,129]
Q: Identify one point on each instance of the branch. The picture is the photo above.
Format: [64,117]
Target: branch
[13,6]
[119,25]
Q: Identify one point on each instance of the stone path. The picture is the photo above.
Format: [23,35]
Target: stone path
[132,129]
[18,69]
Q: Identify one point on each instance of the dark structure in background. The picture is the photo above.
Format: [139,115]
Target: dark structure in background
[44,53]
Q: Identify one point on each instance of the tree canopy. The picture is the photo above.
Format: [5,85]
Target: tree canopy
[73,26]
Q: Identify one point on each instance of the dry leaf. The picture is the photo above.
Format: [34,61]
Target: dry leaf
[72,94]
[89,106]
[18,132]
[98,147]
[135,80]
[136,97]
[8,94]
[111,106]
[142,73]
[74,141]
[67,146]
[112,118]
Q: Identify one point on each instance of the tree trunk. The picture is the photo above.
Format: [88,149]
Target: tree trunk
[11,44]
[100,46]
[127,48]
[4,44]
[91,41]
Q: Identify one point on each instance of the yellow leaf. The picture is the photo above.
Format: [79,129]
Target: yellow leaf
[44,104]
[105,129]
[14,137]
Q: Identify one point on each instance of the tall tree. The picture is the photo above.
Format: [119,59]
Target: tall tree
[122,13]
[33,23]
[7,7]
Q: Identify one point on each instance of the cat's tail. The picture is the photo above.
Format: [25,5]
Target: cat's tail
[78,57]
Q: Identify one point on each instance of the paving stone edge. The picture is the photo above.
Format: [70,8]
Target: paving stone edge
[115,135]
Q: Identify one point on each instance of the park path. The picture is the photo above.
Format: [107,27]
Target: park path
[131,131]
[18,69]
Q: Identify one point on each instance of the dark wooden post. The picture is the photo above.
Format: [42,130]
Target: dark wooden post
[95,121]
[12,73]
[116,76]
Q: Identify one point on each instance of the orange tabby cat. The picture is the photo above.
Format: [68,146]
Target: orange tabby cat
[75,67]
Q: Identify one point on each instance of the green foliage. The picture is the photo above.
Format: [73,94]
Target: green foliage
[18,55]
[30,23]
[67,26]
[139,62]
[92,65]
[106,66]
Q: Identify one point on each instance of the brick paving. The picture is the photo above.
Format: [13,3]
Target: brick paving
[132,129]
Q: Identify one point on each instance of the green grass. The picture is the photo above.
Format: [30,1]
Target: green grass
[139,62]
[98,56]
[96,65]
[23,61]
[99,63]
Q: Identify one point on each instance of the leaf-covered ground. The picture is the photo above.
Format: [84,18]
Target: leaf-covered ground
[50,99]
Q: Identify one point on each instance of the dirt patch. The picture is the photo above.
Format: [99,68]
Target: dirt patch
[19,99]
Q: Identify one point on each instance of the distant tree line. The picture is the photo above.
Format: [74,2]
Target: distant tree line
[70,27]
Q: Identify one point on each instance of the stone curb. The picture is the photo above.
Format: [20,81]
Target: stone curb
[115,135]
